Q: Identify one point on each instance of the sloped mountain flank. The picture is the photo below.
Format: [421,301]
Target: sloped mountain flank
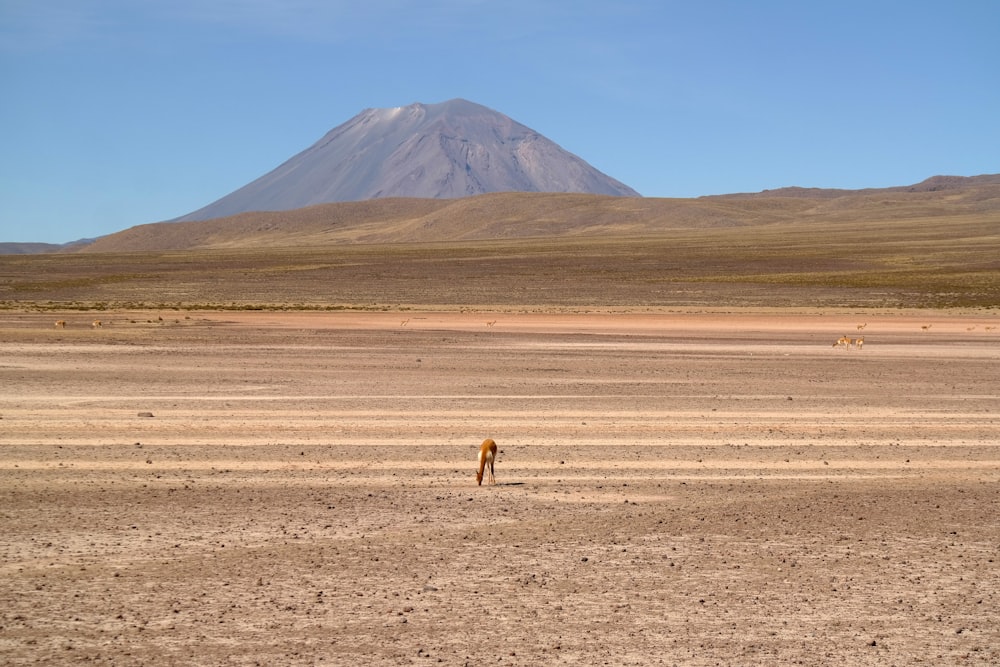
[432,151]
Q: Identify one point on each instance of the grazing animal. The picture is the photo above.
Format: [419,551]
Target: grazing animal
[862,326]
[404,322]
[487,455]
[490,324]
[97,324]
[60,324]
[925,327]
[843,340]
[858,342]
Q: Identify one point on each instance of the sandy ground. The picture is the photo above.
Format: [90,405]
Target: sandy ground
[673,488]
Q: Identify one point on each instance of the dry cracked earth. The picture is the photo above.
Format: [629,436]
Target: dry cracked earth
[672,489]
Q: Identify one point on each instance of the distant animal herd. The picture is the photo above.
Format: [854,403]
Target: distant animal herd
[98,324]
[849,342]
[857,343]
[61,324]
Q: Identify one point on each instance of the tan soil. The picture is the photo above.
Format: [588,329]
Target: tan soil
[677,489]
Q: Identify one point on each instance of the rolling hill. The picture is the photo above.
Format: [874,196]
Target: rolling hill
[553,215]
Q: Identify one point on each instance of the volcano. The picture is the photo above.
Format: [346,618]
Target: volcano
[435,151]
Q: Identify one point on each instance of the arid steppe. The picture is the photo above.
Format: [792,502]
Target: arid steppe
[682,487]
[265,453]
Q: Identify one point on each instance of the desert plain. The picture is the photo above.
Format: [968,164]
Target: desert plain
[674,487]
[265,454]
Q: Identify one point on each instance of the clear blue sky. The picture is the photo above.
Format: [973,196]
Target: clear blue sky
[115,113]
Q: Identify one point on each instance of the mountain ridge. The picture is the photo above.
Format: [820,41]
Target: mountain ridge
[549,215]
[539,214]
